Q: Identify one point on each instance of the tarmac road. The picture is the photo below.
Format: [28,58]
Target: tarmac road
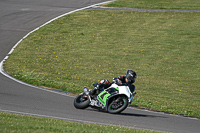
[19,18]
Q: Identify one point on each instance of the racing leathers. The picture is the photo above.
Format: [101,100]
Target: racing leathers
[120,81]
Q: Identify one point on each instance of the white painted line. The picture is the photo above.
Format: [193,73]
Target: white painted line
[2,62]
[47,116]
[5,74]
[55,117]
[21,82]
[73,120]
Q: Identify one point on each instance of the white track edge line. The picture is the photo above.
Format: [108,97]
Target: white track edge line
[74,120]
[61,118]
[47,116]
[7,56]
[21,82]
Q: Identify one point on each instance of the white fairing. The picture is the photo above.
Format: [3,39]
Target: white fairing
[124,90]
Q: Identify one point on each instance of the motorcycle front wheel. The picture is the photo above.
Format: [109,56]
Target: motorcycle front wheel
[81,101]
[118,105]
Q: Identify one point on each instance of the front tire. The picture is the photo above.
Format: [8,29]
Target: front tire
[81,101]
[118,105]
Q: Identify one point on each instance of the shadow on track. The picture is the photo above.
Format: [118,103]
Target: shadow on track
[140,115]
[125,114]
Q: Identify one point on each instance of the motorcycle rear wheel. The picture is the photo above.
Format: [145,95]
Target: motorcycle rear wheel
[81,102]
[118,106]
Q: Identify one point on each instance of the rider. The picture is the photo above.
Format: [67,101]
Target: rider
[126,80]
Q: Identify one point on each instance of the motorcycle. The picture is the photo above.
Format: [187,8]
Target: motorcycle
[114,99]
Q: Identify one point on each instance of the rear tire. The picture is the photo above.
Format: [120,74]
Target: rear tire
[118,106]
[81,102]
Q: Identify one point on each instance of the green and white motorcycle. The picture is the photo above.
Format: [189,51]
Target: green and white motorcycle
[114,99]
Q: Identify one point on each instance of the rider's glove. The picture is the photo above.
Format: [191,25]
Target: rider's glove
[119,82]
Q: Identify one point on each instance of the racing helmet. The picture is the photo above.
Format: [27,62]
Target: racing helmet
[131,76]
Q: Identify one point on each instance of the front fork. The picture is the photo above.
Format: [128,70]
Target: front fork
[86,91]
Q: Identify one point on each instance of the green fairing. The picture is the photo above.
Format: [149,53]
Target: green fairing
[105,97]
[117,88]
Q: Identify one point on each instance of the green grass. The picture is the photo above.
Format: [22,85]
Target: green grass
[12,123]
[87,46]
[156,4]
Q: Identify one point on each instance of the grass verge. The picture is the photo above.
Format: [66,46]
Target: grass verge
[87,46]
[26,124]
[156,4]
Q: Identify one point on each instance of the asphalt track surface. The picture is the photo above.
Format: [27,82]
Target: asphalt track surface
[20,17]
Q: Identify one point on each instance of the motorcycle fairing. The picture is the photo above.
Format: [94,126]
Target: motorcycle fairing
[124,90]
[105,95]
